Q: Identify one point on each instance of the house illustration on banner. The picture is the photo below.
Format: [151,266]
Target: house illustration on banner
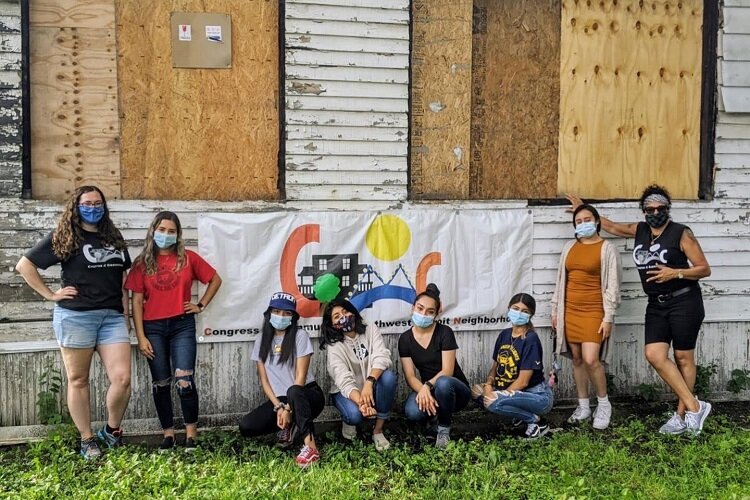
[353,276]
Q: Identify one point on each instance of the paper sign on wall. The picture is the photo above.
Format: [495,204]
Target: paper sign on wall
[185,33]
[213,33]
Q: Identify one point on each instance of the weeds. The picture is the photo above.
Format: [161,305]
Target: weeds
[703,378]
[48,402]
[739,380]
[649,392]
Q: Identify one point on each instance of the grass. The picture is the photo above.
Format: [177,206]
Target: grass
[627,461]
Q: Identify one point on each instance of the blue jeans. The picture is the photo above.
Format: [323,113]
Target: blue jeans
[384,393]
[174,345]
[525,405]
[451,394]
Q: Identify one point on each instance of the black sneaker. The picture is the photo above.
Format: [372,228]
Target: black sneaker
[537,430]
[167,444]
[90,449]
[190,445]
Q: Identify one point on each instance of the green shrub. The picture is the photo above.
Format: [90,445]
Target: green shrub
[739,381]
[703,378]
[50,408]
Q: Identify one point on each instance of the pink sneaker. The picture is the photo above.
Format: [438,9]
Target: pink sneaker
[307,457]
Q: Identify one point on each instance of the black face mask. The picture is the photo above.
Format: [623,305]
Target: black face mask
[658,219]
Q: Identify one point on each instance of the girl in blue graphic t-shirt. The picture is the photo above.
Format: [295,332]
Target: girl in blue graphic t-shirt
[515,385]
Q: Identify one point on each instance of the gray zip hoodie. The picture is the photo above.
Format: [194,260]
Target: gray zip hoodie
[350,361]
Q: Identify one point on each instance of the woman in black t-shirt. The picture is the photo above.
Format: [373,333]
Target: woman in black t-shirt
[670,262]
[90,308]
[515,386]
[430,348]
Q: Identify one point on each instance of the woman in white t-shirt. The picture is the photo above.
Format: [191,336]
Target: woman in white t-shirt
[282,353]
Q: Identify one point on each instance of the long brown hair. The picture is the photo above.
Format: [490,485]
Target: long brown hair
[67,237]
[147,257]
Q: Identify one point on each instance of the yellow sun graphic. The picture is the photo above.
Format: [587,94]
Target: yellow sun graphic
[388,237]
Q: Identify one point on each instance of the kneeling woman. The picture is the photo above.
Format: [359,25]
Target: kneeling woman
[430,348]
[283,354]
[515,385]
[358,364]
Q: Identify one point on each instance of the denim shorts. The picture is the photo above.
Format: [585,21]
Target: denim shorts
[87,329]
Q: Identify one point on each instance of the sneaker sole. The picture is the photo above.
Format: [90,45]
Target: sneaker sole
[165,450]
[308,464]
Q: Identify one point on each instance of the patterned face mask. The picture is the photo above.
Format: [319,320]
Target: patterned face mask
[345,323]
[658,219]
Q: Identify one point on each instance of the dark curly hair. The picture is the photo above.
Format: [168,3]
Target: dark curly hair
[67,237]
[328,334]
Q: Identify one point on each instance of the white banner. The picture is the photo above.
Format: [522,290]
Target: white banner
[379,261]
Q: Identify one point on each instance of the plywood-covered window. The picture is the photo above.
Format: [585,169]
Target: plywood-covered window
[535,98]
[109,109]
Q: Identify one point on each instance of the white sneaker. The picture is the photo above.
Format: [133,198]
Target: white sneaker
[602,416]
[349,432]
[381,443]
[580,415]
[674,426]
[694,420]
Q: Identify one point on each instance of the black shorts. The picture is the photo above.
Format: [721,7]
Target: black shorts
[677,321]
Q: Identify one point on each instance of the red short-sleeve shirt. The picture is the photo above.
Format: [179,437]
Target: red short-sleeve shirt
[166,291]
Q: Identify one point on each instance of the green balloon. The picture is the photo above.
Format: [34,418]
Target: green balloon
[326,287]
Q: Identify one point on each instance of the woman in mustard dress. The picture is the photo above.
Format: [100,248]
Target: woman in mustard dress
[586,296]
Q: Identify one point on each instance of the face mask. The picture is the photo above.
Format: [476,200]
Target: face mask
[658,219]
[164,240]
[518,318]
[280,322]
[586,229]
[345,324]
[90,215]
[421,320]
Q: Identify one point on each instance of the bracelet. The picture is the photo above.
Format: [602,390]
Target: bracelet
[430,385]
[278,406]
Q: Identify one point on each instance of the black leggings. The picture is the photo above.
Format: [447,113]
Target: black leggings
[307,403]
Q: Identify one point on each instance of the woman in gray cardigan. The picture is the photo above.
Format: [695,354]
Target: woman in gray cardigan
[586,296]
[359,366]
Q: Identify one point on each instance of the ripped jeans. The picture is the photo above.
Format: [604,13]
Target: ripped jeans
[174,345]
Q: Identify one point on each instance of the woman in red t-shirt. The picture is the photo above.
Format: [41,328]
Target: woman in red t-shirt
[161,281]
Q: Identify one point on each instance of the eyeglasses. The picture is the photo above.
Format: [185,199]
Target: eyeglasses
[96,204]
[653,210]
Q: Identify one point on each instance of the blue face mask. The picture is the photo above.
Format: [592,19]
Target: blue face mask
[421,320]
[280,322]
[164,240]
[518,318]
[90,215]
[586,229]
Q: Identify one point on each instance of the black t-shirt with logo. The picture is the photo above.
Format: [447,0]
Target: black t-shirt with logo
[665,250]
[516,354]
[430,361]
[95,270]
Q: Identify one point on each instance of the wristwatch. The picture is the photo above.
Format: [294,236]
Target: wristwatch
[680,275]
[430,385]
[372,379]
[201,306]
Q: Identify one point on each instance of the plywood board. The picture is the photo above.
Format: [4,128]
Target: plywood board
[441,99]
[630,97]
[73,111]
[198,133]
[72,13]
[515,95]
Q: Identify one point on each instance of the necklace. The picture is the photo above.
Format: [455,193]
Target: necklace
[654,238]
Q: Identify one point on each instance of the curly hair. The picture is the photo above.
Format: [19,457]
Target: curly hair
[147,257]
[328,334]
[67,237]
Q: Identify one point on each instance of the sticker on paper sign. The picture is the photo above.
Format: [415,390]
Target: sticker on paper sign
[213,33]
[186,33]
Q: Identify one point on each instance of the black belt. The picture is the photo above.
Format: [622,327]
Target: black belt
[666,297]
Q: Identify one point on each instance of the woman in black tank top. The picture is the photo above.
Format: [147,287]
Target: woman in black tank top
[670,262]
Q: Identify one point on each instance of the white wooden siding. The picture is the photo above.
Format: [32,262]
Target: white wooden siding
[734,63]
[347,97]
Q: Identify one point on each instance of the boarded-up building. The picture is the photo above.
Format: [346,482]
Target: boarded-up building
[498,105]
